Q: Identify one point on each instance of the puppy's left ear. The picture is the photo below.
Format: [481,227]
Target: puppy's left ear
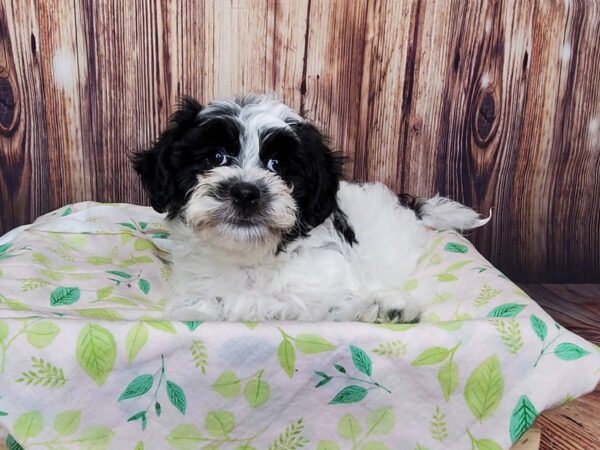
[158,165]
[317,196]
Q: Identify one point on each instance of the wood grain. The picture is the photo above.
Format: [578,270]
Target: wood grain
[494,103]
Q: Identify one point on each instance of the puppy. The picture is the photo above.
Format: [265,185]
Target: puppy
[265,229]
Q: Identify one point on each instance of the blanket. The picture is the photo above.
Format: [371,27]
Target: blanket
[87,363]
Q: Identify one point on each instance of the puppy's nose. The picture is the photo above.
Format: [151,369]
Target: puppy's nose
[245,194]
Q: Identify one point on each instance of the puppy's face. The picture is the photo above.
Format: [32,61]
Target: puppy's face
[248,174]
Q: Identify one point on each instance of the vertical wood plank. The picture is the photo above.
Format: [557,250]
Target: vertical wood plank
[24,176]
[494,103]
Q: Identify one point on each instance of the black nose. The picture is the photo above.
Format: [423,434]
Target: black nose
[245,194]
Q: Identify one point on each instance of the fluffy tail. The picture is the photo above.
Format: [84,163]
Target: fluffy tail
[441,213]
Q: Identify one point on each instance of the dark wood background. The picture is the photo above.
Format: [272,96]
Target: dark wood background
[494,103]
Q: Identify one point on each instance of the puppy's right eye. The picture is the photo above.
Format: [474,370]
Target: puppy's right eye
[219,159]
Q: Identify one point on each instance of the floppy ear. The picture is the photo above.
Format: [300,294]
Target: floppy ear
[156,166]
[317,198]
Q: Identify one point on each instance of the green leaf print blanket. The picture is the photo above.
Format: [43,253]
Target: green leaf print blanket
[87,363]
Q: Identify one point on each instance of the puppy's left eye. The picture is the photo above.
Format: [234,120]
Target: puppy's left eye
[219,159]
[273,165]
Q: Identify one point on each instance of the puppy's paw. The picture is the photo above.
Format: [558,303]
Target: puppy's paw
[370,315]
[401,309]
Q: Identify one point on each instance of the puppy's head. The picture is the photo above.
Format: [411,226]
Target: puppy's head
[244,174]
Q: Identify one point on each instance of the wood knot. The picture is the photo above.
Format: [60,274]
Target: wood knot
[8,106]
[485,122]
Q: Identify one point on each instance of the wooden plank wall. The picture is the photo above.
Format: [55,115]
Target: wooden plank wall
[494,103]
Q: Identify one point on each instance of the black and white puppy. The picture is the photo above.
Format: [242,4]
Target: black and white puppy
[264,229]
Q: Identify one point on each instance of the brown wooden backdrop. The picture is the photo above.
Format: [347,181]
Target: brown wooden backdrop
[494,103]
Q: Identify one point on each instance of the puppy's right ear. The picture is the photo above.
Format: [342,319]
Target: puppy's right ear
[157,166]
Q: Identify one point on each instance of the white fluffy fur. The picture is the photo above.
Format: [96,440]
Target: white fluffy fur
[441,213]
[319,277]
[213,219]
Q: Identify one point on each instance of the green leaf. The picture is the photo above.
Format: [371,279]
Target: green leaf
[219,423]
[95,438]
[128,225]
[350,394]
[287,357]
[374,445]
[445,277]
[361,360]
[455,247]
[64,296]
[42,334]
[199,355]
[100,313]
[157,409]
[438,427]
[484,388]
[539,327]
[143,244]
[448,378]
[349,427]
[99,260]
[3,331]
[66,423]
[340,368]
[136,339]
[160,235]
[4,248]
[228,385]
[12,444]
[28,425]
[458,265]
[119,274]
[67,211]
[3,413]
[144,285]
[487,444]
[138,387]
[104,292]
[162,325]
[381,421]
[327,445]
[176,396]
[96,352]
[506,310]
[324,381]
[311,343]
[192,324]
[42,259]
[184,437]
[257,392]
[522,418]
[431,356]
[42,373]
[568,352]
[139,446]
[392,349]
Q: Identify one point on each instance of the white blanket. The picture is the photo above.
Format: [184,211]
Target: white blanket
[85,364]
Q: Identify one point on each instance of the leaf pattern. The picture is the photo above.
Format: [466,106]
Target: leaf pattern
[43,374]
[199,355]
[510,333]
[484,388]
[438,426]
[522,418]
[291,438]
[392,349]
[102,306]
